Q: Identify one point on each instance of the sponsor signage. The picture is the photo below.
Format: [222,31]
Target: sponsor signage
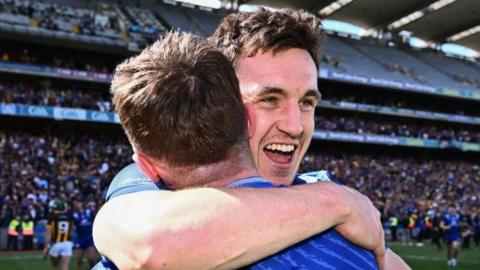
[55,72]
[8,109]
[69,114]
[329,74]
[100,116]
[38,111]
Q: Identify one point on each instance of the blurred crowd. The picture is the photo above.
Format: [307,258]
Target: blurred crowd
[36,169]
[400,101]
[61,59]
[41,94]
[412,193]
[97,99]
[427,130]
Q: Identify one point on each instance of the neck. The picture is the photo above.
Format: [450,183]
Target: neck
[244,173]
[219,174]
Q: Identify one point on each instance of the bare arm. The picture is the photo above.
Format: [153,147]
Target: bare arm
[394,262]
[220,229]
[47,235]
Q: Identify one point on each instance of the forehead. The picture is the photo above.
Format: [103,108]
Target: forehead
[292,70]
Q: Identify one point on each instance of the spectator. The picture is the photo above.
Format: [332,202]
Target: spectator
[27,232]
[13,233]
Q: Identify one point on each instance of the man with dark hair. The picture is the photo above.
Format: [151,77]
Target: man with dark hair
[83,220]
[453,236]
[58,235]
[476,227]
[279,87]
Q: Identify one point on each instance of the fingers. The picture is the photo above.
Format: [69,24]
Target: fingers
[380,256]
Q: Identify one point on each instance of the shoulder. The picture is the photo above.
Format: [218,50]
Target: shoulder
[314,177]
[129,180]
[255,182]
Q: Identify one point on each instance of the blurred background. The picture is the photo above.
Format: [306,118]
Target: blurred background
[399,119]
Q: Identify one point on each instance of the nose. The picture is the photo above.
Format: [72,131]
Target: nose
[290,120]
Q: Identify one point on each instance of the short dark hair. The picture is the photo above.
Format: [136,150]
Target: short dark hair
[244,33]
[179,101]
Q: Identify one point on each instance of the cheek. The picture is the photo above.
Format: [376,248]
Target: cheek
[308,123]
[264,123]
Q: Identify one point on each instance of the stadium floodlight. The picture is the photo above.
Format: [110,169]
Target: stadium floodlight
[214,4]
[253,8]
[440,4]
[459,50]
[406,20]
[343,27]
[420,13]
[464,34]
[333,7]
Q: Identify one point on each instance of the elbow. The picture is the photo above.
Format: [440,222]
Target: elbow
[126,247]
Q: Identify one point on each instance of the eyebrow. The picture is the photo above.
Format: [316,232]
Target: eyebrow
[314,93]
[280,91]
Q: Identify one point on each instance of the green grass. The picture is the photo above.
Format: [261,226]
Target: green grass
[30,261]
[428,257]
[421,258]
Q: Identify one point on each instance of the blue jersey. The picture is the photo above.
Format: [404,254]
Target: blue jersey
[476,223]
[328,250]
[131,179]
[453,233]
[84,223]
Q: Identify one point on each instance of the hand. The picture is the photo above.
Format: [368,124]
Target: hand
[394,262]
[362,225]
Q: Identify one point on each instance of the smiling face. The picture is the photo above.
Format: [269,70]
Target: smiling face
[281,90]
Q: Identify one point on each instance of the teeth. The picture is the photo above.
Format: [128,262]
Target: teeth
[281,147]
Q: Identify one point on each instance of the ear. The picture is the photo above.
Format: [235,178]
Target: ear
[251,118]
[147,166]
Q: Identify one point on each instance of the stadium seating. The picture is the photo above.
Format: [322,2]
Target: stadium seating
[355,61]
[466,73]
[177,18]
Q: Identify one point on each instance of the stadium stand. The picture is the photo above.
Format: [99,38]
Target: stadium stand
[38,94]
[61,21]
[381,61]
[44,159]
[206,20]
[22,53]
[393,127]
[177,17]
[343,56]
[144,25]
[397,61]
[399,183]
[463,72]
[38,167]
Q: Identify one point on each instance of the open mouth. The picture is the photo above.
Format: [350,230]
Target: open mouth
[280,153]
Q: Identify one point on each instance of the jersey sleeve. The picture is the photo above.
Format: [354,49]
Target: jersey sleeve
[315,177]
[446,220]
[130,180]
[75,217]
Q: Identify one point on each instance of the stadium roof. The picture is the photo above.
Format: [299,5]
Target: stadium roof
[438,21]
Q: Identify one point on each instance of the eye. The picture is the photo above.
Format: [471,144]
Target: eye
[269,99]
[308,104]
